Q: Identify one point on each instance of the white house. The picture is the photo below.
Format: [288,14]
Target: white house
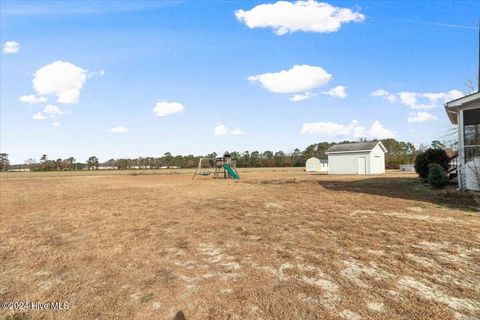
[357,158]
[316,165]
[465,114]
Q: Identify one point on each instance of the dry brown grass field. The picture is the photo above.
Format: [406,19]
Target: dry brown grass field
[273,245]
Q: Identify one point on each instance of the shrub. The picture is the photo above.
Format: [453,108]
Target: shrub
[423,160]
[437,176]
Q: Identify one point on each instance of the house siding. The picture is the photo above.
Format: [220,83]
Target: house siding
[472,175]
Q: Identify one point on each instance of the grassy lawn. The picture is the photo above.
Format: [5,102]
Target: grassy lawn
[277,244]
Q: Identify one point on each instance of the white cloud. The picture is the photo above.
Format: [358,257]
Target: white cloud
[10,47]
[165,108]
[433,96]
[220,130]
[287,17]
[53,110]
[33,99]
[328,128]
[428,100]
[299,78]
[119,130]
[380,93]
[56,124]
[419,101]
[410,99]
[301,97]
[237,132]
[96,73]
[378,131]
[337,92]
[421,117]
[452,95]
[385,94]
[62,79]
[352,130]
[39,116]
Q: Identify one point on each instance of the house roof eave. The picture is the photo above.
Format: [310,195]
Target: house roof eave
[452,114]
[463,100]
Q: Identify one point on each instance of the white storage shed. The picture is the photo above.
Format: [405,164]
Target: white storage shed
[357,158]
[316,165]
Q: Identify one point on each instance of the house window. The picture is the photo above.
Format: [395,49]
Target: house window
[471,131]
[472,135]
[471,127]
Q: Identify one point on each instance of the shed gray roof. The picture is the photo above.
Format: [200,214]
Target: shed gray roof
[355,147]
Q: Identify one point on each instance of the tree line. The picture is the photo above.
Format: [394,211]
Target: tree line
[399,152]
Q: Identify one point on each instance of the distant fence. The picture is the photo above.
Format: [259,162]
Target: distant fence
[407,167]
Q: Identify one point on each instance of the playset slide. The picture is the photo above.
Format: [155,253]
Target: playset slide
[230,171]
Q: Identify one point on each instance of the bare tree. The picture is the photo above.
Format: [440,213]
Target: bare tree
[4,162]
[469,87]
[92,162]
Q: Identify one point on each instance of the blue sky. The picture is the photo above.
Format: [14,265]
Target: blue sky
[195,58]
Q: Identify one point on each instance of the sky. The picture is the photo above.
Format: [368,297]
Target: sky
[127,79]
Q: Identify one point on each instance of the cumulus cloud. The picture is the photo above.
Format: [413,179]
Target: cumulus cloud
[451,95]
[53,110]
[434,96]
[165,108]
[408,99]
[96,73]
[421,117]
[385,94]
[352,130]
[39,116]
[220,130]
[61,79]
[378,131]
[10,47]
[300,78]
[237,132]
[429,100]
[33,99]
[417,100]
[119,130]
[56,124]
[337,92]
[287,17]
[301,97]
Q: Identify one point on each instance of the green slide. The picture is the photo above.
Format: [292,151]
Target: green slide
[230,171]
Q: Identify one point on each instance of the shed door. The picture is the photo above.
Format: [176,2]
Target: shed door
[362,165]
